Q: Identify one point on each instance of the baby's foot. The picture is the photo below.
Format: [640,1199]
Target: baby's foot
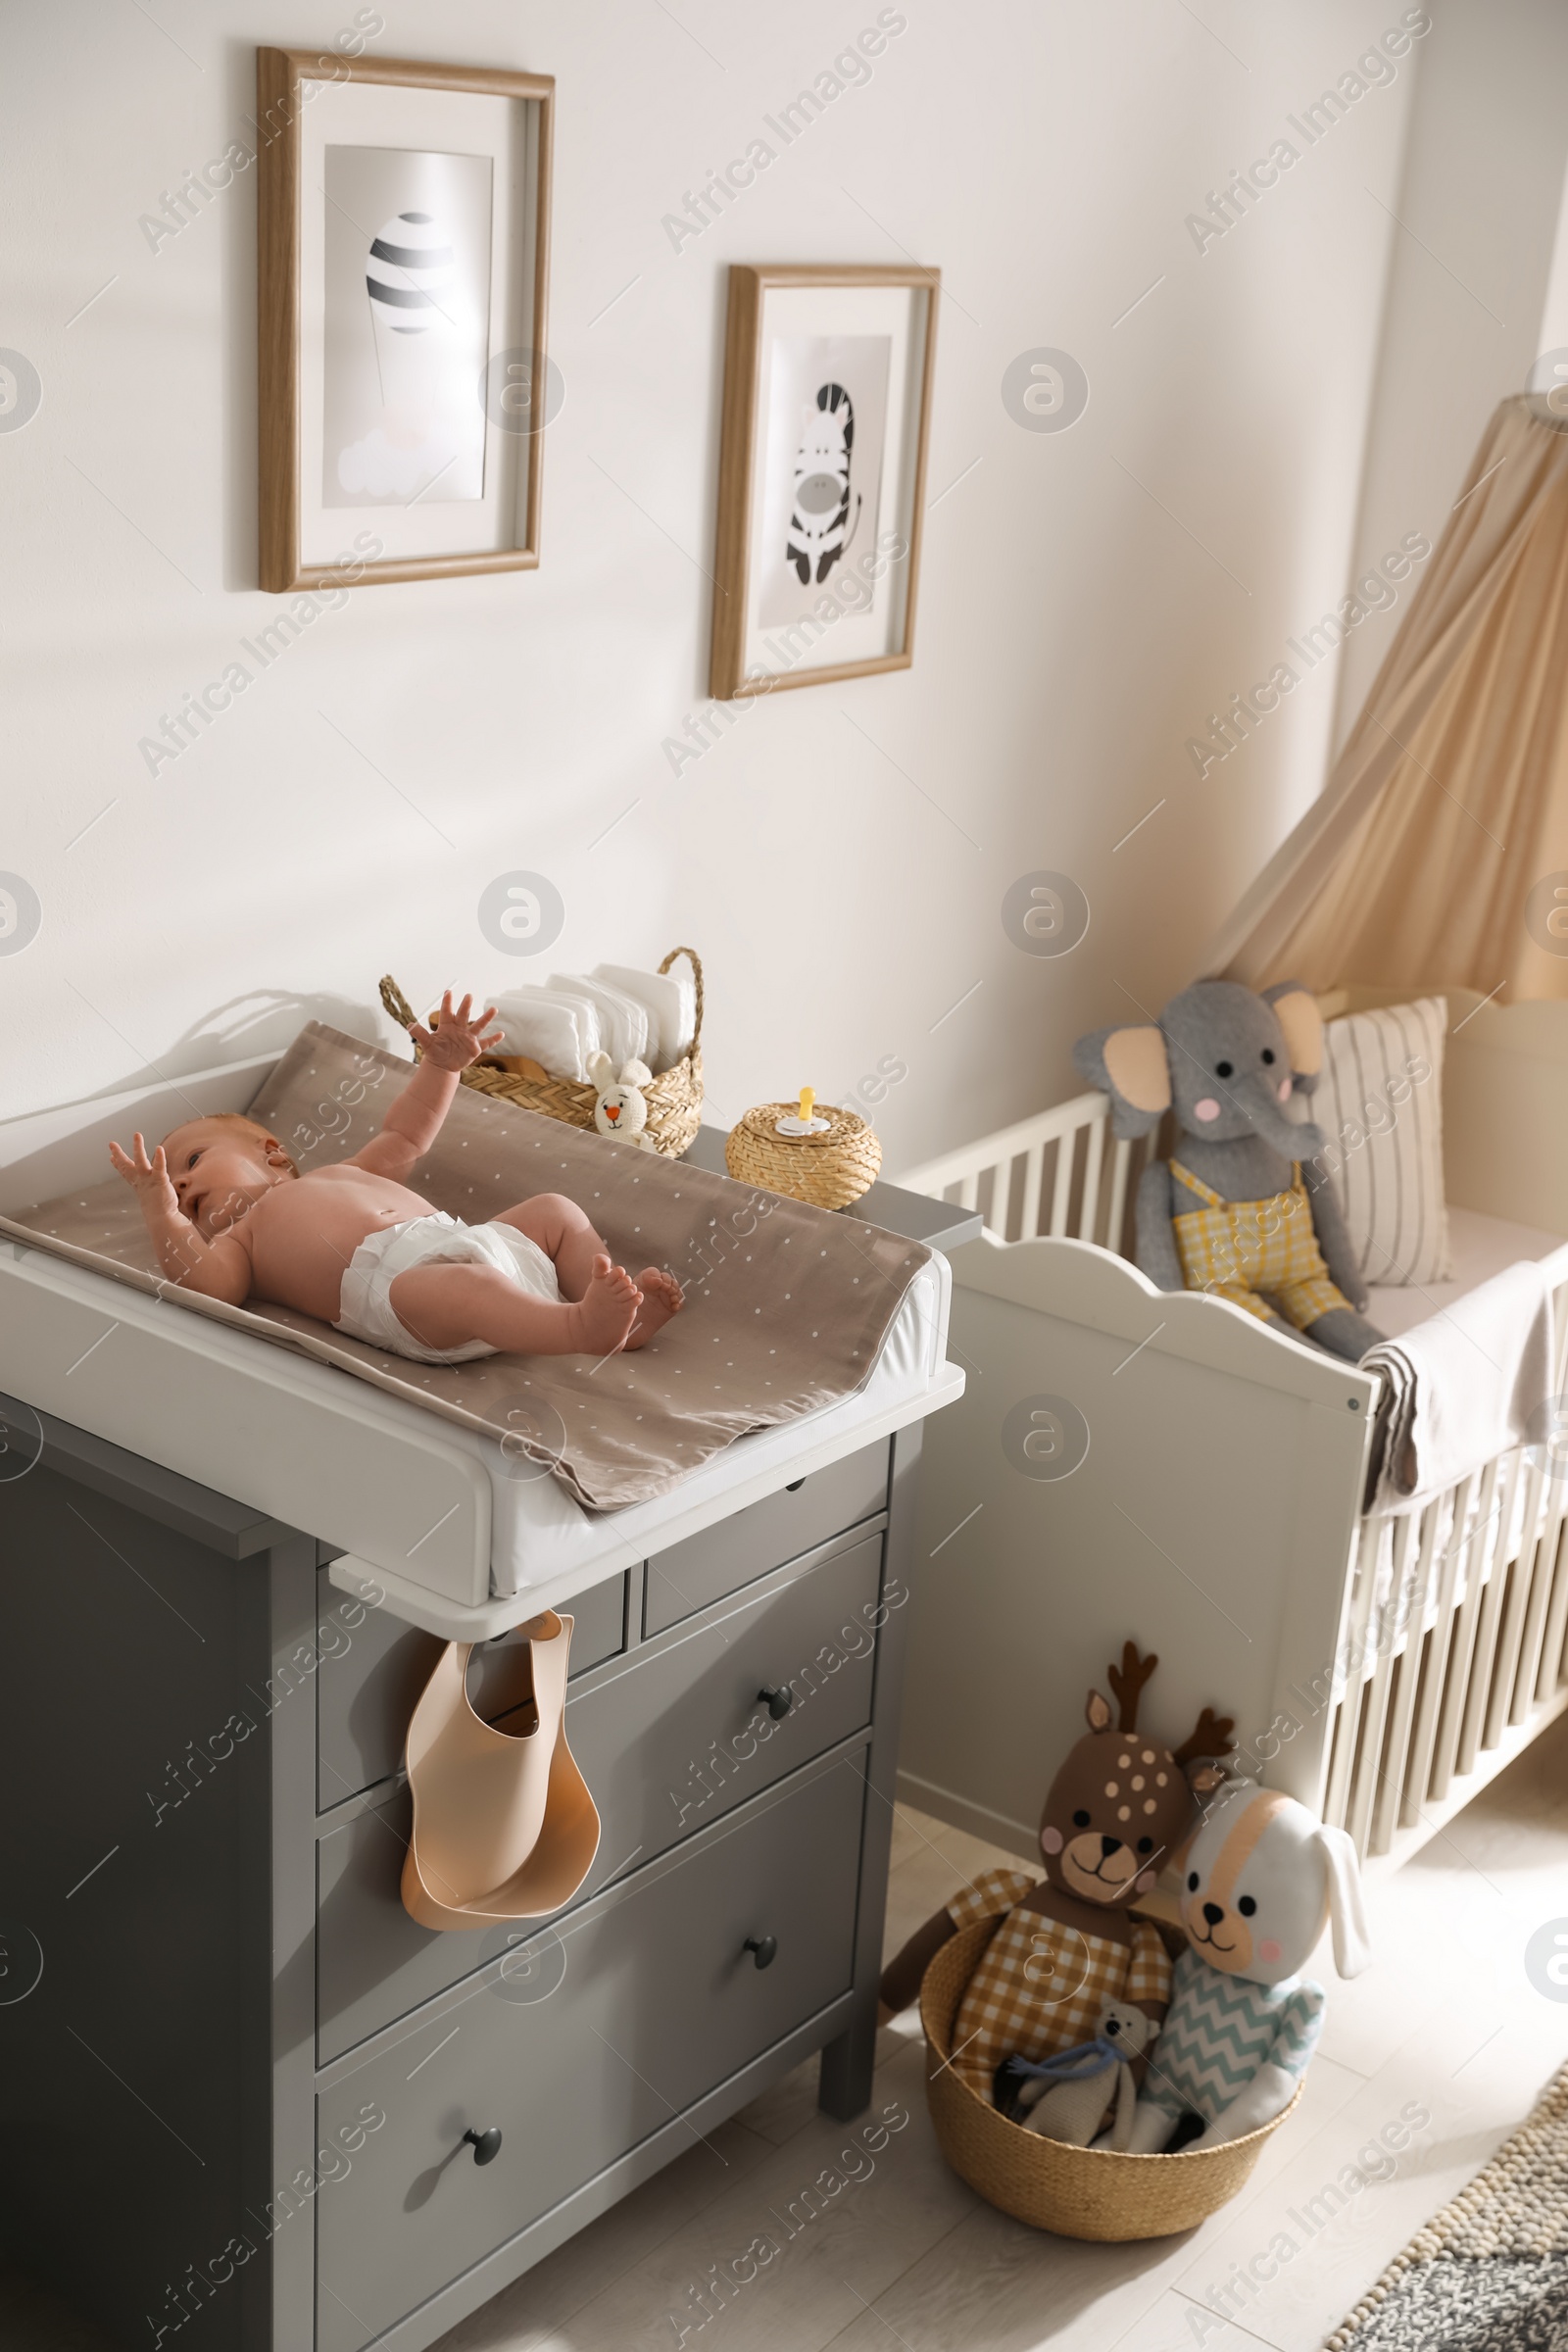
[662,1296]
[607,1310]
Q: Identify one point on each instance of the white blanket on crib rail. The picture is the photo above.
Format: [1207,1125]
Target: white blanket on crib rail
[1460,1387]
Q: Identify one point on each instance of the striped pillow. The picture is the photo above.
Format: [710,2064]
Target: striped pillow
[1380,1105]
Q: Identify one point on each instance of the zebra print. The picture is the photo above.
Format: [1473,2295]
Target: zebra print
[822,465]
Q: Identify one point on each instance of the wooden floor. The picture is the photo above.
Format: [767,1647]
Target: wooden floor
[890,2248]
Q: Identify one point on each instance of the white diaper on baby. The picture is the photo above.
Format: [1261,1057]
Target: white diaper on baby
[366,1308]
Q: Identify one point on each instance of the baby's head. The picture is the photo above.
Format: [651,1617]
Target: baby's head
[221,1166]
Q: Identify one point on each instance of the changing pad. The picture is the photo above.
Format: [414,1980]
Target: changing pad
[788,1306]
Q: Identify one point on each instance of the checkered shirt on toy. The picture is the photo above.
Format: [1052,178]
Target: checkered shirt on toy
[1237,1248]
[1038,1987]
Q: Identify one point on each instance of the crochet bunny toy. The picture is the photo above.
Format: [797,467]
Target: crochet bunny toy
[1066,1944]
[621,1110]
[1065,2097]
[1262,1877]
[1241,1208]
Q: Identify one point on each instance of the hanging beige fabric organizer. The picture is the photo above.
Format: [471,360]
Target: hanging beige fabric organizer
[504,1825]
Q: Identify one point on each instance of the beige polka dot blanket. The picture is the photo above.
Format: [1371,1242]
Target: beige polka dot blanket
[787,1305]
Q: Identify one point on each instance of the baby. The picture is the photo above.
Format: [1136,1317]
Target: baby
[231,1216]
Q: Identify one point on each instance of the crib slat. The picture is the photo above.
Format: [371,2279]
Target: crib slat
[969,1189]
[1337,1795]
[1521,1603]
[1462,1648]
[1093,1159]
[1490,1621]
[1120,1161]
[1375,1711]
[1367,1781]
[1001,1197]
[1391,1786]
[1061,1189]
[1033,1168]
[1543,1663]
[1554,1665]
[1542,1543]
[1423,1743]
[1395,1779]
[1538,1663]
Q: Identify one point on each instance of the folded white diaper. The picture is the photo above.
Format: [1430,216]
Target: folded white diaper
[366,1308]
[556,1031]
[585,1012]
[622,1020]
[671,1001]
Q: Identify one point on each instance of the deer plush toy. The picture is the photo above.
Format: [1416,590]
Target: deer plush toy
[1066,1944]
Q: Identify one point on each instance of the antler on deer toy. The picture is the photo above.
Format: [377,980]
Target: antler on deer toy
[1127,1681]
[1211,1736]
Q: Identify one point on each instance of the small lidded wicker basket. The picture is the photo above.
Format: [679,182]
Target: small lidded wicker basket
[1078,2192]
[675,1098]
[830,1170]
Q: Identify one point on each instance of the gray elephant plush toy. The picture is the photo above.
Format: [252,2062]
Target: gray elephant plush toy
[1244,1208]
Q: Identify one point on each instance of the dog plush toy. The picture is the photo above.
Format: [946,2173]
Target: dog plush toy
[1243,1208]
[621,1110]
[1065,2097]
[1262,1877]
[1066,1944]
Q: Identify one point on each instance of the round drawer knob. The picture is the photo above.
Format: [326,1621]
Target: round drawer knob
[779,1702]
[762,1948]
[486,2146]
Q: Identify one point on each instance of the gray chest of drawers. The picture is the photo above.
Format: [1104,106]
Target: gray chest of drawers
[242,2095]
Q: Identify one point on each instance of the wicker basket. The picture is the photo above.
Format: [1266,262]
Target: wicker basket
[829,1171]
[675,1098]
[1078,2192]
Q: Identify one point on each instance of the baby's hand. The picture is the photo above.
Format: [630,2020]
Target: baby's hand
[452,1040]
[149,1179]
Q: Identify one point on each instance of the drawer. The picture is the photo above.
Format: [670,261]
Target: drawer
[372,1674]
[653,2001]
[670,1741]
[777,1528]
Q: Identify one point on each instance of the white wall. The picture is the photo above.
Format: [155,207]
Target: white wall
[1471,274]
[1087,598]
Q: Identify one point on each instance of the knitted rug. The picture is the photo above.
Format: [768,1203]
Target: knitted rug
[1488,2272]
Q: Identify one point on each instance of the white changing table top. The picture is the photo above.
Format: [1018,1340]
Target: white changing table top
[434,1514]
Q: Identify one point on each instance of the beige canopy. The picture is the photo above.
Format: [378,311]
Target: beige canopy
[1431,853]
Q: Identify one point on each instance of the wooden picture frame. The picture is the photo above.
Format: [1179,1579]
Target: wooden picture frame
[318,115]
[785,324]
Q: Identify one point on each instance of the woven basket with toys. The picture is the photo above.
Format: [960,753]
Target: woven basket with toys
[1077,2080]
[674,1096]
[1052,2183]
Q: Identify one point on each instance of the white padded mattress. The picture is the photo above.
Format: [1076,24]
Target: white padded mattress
[1480,1246]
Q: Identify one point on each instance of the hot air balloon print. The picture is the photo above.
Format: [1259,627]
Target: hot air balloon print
[407,330]
[410,270]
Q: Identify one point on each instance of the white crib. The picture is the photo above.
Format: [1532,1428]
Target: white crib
[1380,1668]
